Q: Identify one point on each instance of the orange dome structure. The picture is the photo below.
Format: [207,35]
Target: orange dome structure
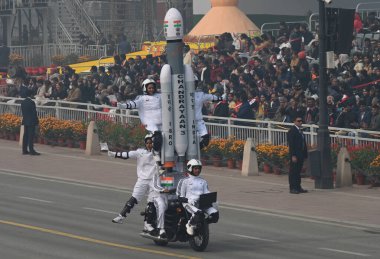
[224,16]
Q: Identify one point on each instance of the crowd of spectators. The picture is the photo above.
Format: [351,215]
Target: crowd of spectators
[101,86]
[278,79]
[262,78]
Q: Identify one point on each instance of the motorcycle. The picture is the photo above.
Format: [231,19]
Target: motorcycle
[176,218]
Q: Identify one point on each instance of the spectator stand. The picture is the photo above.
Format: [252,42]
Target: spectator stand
[273,27]
[41,55]
[365,9]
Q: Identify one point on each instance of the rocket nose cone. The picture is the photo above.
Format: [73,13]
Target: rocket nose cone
[173,25]
[173,14]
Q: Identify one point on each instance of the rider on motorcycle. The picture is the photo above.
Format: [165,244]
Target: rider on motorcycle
[158,198]
[190,190]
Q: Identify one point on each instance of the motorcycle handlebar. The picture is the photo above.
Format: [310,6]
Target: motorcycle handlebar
[169,191]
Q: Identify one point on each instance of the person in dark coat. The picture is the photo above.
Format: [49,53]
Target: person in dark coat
[30,121]
[244,111]
[297,154]
[5,51]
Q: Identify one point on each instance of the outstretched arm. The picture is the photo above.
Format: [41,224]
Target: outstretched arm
[135,104]
[128,105]
[123,155]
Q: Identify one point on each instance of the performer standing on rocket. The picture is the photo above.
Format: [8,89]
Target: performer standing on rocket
[149,108]
[200,98]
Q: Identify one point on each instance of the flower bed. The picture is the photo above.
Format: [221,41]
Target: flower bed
[361,156]
[121,137]
[273,155]
[365,159]
[15,59]
[375,165]
[9,123]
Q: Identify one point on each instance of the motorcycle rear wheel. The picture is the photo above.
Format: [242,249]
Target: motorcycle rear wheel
[199,241]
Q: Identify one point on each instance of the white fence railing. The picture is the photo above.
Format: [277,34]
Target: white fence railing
[7,6]
[40,55]
[364,9]
[274,27]
[260,131]
[11,5]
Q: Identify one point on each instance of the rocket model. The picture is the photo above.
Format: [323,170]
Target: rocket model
[177,87]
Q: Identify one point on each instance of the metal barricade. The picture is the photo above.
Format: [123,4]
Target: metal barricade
[364,9]
[313,22]
[262,132]
[7,7]
[41,55]
[273,27]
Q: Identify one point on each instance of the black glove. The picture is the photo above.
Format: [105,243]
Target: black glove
[183,199]
[118,154]
[172,191]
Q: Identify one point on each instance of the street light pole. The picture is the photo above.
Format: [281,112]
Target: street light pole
[325,179]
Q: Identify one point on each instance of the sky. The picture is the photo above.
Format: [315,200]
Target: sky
[278,7]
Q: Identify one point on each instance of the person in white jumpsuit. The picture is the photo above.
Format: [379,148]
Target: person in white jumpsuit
[148,105]
[201,98]
[190,189]
[146,169]
[158,196]
[150,112]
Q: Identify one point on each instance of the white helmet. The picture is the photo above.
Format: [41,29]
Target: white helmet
[148,136]
[146,82]
[192,163]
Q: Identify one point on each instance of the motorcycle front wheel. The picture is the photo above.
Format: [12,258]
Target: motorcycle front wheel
[199,241]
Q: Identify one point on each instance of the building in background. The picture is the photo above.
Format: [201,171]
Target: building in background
[68,21]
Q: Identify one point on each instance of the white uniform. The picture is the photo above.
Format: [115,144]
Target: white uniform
[159,199]
[146,169]
[149,108]
[191,188]
[201,98]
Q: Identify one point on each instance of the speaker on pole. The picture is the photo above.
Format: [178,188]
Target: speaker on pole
[340,28]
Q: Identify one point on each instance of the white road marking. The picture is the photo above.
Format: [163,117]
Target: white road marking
[54,179]
[98,210]
[344,252]
[255,238]
[318,220]
[33,199]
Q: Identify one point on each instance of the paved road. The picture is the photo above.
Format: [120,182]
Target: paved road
[45,218]
[357,205]
[62,201]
